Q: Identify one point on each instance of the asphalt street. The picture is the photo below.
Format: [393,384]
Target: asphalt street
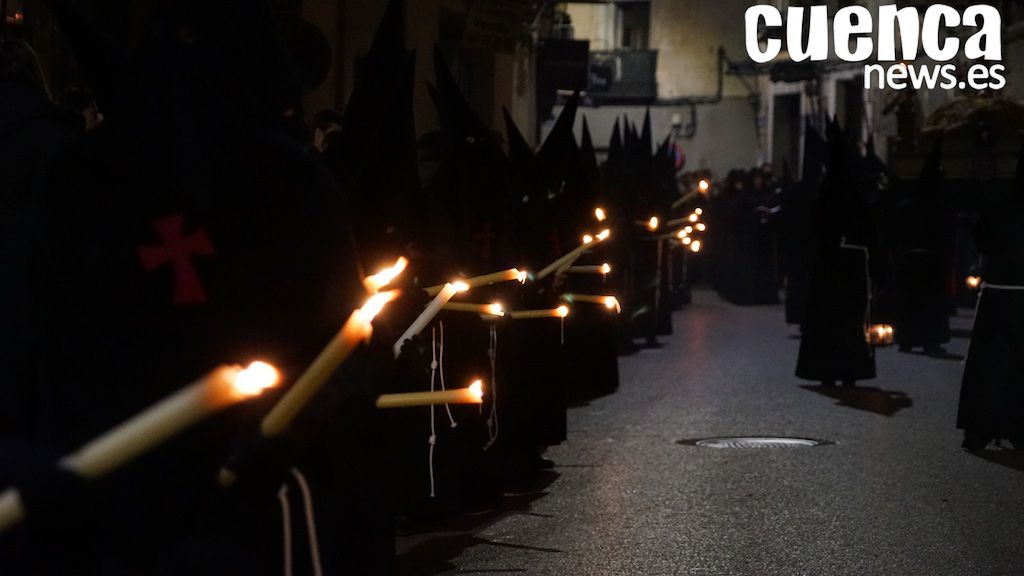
[893,494]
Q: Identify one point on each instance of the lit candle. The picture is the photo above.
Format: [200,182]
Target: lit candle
[609,302]
[485,280]
[565,261]
[356,330]
[701,227]
[473,394]
[599,213]
[694,217]
[973,282]
[652,224]
[602,269]
[384,277]
[695,246]
[703,186]
[687,240]
[560,312]
[488,309]
[699,211]
[881,335]
[428,314]
[219,389]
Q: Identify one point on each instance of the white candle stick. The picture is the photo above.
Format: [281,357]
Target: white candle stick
[485,280]
[428,314]
[221,388]
[486,309]
[560,312]
[356,330]
[474,394]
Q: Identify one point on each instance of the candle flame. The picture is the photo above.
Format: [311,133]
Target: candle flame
[688,230]
[477,390]
[386,276]
[687,240]
[496,309]
[682,234]
[695,246]
[604,234]
[703,185]
[587,238]
[600,214]
[694,217]
[460,286]
[562,311]
[374,304]
[701,227]
[699,211]
[606,268]
[653,223]
[612,303]
[521,276]
[973,281]
[255,378]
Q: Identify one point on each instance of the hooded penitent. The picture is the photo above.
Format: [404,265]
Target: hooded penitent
[834,345]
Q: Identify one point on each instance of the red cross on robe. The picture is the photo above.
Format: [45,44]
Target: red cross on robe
[178,250]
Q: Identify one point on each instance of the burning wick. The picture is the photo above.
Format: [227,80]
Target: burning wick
[386,276]
[473,394]
[256,378]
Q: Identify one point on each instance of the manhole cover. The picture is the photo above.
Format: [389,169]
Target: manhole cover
[754,442]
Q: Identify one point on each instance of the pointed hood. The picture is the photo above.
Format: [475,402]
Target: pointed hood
[646,137]
[588,157]
[559,155]
[815,149]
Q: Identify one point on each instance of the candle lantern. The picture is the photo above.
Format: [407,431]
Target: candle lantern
[881,335]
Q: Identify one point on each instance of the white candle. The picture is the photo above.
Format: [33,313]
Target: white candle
[485,280]
[221,388]
[447,293]
[487,309]
[356,330]
[560,312]
[474,394]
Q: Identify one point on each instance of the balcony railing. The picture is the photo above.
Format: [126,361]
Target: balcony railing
[623,75]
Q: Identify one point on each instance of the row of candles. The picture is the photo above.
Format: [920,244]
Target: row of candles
[228,385]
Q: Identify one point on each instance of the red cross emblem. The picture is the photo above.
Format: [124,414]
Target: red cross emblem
[177,250]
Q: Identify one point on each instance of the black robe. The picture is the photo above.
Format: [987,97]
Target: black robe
[834,345]
[924,235]
[992,393]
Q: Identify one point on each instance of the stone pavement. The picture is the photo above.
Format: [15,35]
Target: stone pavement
[894,494]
